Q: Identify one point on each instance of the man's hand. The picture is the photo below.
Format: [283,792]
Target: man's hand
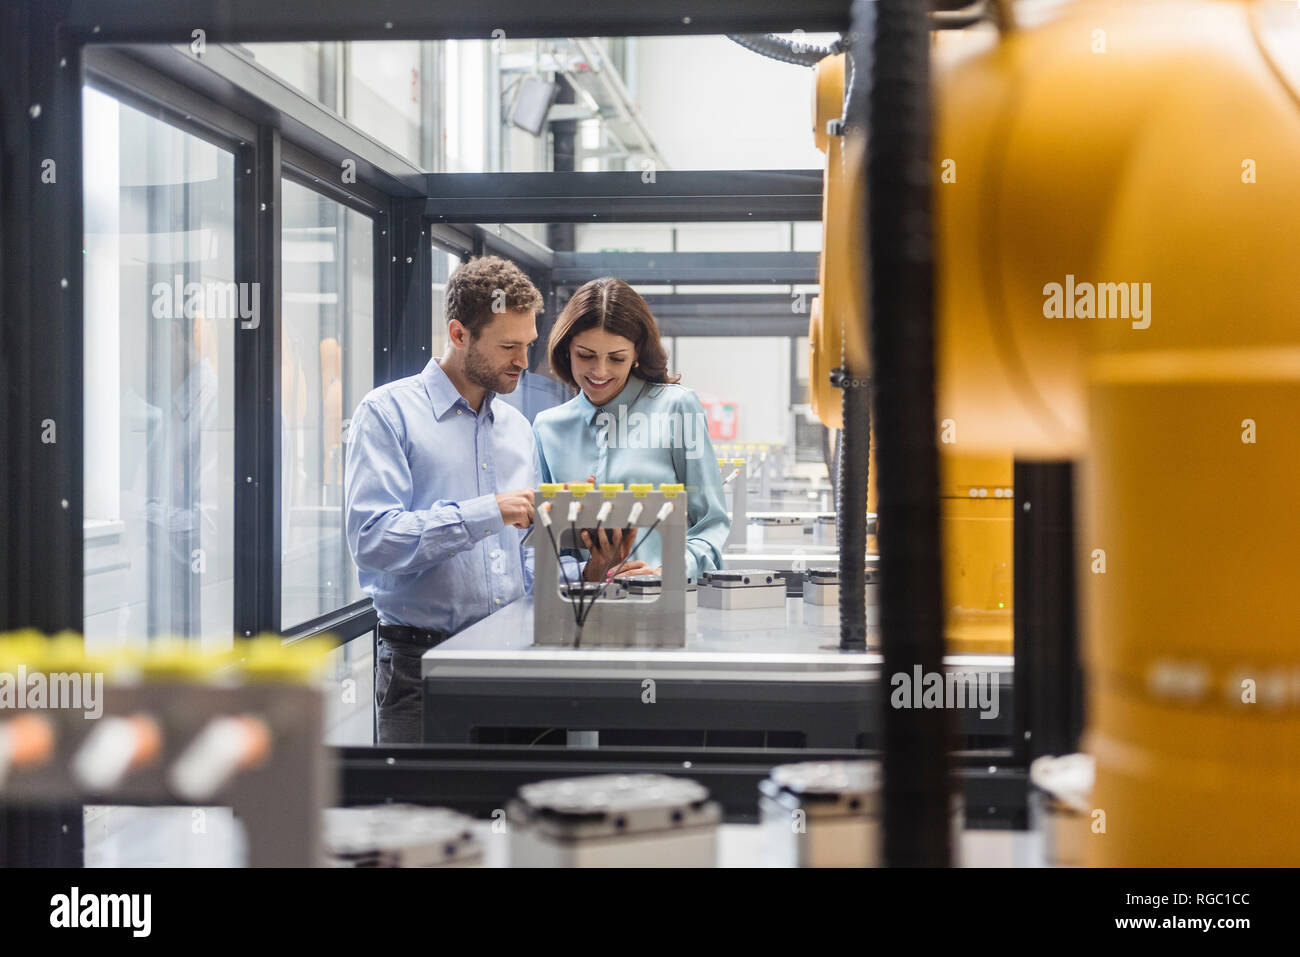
[516,507]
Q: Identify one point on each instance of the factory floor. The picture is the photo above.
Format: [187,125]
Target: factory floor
[210,837]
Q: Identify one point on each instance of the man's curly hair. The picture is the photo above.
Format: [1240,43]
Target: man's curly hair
[485,287]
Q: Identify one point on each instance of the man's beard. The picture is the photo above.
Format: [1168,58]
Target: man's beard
[481,372]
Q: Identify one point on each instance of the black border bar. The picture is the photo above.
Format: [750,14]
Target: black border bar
[284,20]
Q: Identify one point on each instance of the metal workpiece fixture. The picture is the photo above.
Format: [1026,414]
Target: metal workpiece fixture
[821,586]
[401,835]
[735,485]
[1061,806]
[829,814]
[172,726]
[569,613]
[765,463]
[742,588]
[645,585]
[780,529]
[821,814]
[826,530]
[821,600]
[622,820]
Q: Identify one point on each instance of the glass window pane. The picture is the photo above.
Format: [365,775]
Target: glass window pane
[308,67]
[468,108]
[161,314]
[444,264]
[385,91]
[327,366]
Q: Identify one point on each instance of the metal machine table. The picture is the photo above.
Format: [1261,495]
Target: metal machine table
[740,671]
[786,556]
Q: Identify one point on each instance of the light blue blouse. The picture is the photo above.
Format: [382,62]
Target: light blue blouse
[649,432]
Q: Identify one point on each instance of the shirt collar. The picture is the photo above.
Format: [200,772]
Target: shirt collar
[443,395]
[627,395]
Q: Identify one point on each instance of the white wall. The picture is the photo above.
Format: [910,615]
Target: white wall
[754,373]
[711,104]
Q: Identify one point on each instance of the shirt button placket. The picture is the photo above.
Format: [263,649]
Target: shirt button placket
[486,485]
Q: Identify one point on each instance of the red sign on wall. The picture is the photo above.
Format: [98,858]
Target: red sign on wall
[723,417]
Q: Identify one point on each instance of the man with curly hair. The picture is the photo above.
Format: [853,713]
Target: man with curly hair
[440,481]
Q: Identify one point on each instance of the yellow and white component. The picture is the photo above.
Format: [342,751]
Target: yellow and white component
[115,747]
[221,750]
[25,741]
[269,658]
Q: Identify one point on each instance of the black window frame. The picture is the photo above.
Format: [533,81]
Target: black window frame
[44,49]
[312,172]
[261,148]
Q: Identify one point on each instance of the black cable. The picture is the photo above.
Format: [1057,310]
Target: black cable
[623,565]
[851,512]
[595,541]
[609,578]
[559,557]
[894,110]
[582,587]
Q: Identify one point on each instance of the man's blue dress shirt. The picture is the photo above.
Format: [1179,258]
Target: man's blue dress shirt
[423,472]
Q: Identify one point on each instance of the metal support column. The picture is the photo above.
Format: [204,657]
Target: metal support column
[1048,676]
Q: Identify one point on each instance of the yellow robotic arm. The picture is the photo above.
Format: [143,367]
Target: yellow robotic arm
[976,490]
[1116,201]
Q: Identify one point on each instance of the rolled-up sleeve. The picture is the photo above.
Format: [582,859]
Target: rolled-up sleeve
[386,530]
[708,523]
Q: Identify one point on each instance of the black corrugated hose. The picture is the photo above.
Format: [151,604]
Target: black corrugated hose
[893,104]
[851,513]
[779,48]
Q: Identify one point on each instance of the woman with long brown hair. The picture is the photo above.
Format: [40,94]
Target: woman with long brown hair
[630,422]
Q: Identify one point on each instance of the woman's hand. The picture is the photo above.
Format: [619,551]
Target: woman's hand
[637,567]
[608,550]
[609,553]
